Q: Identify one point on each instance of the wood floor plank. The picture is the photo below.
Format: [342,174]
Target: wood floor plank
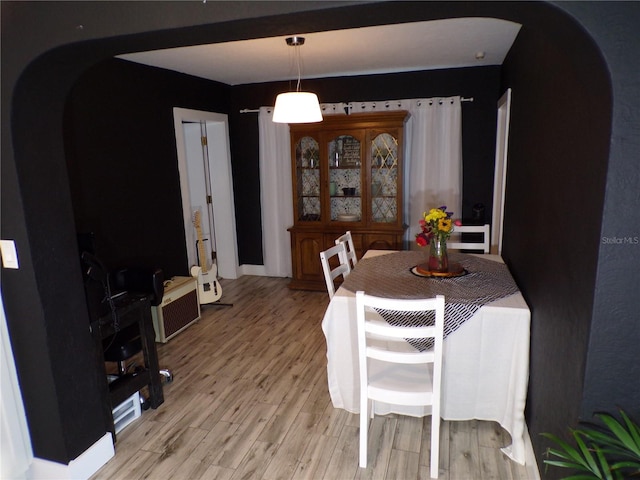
[318,399]
[332,421]
[290,405]
[315,459]
[250,400]
[135,469]
[408,434]
[255,461]
[128,445]
[344,461]
[246,435]
[494,465]
[492,435]
[464,451]
[214,442]
[176,451]
[216,472]
[383,431]
[189,469]
[405,465]
[286,460]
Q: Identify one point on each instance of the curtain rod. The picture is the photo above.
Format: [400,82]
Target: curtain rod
[249,110]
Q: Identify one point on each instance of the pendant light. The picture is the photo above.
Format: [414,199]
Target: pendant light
[297,107]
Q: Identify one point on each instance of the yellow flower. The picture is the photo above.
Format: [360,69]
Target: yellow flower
[444,225]
[435,214]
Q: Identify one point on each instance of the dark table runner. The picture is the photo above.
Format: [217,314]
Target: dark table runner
[390,276]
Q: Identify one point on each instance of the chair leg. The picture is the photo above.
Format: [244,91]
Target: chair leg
[435,445]
[364,430]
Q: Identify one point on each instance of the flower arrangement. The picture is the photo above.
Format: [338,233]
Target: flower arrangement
[435,223]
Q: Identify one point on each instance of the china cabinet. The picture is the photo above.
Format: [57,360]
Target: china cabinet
[347,175]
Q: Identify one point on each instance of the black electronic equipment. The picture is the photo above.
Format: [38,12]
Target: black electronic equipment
[100,297]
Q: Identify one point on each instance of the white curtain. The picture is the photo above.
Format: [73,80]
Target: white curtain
[433,168]
[435,160]
[275,194]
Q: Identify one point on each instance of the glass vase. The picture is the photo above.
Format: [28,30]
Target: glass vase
[438,258]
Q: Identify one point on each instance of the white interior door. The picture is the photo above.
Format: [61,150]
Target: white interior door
[205,172]
[500,175]
[199,191]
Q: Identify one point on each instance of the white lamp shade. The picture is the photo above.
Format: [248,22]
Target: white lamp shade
[297,107]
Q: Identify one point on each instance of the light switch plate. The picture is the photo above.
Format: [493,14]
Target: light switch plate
[9,254]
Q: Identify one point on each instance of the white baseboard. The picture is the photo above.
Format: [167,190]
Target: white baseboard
[88,463]
[257,270]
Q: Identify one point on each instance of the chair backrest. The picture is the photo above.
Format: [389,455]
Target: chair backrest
[395,372]
[421,320]
[330,274]
[351,255]
[484,245]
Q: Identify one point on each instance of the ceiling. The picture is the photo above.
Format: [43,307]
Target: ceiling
[450,43]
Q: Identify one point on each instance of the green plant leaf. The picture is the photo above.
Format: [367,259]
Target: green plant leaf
[634,434]
[558,463]
[633,428]
[604,439]
[627,464]
[580,477]
[619,431]
[569,463]
[609,452]
[574,459]
[568,453]
[586,453]
[606,470]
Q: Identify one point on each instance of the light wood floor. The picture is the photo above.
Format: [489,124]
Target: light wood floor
[249,400]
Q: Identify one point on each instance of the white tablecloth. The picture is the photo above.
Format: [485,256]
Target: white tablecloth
[486,364]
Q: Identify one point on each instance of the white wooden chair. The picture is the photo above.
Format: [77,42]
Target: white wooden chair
[330,274]
[484,245]
[399,376]
[351,255]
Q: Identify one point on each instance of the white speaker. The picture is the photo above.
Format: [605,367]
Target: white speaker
[179,308]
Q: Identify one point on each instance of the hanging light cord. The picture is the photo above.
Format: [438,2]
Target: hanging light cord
[297,47]
[296,42]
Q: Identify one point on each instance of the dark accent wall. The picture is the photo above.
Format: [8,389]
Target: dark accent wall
[558,150]
[612,364]
[44,299]
[122,162]
[573,144]
[121,153]
[584,297]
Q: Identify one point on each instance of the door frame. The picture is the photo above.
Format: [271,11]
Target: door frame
[500,175]
[221,188]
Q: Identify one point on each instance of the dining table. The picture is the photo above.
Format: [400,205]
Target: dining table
[486,346]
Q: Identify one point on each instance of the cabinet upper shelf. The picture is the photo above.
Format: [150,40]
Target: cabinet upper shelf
[349,166]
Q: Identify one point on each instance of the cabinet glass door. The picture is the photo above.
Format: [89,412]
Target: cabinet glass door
[345,179]
[308,180]
[384,178]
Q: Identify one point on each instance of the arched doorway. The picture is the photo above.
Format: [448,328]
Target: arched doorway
[43,224]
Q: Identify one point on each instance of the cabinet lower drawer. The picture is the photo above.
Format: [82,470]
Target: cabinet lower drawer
[307,245]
